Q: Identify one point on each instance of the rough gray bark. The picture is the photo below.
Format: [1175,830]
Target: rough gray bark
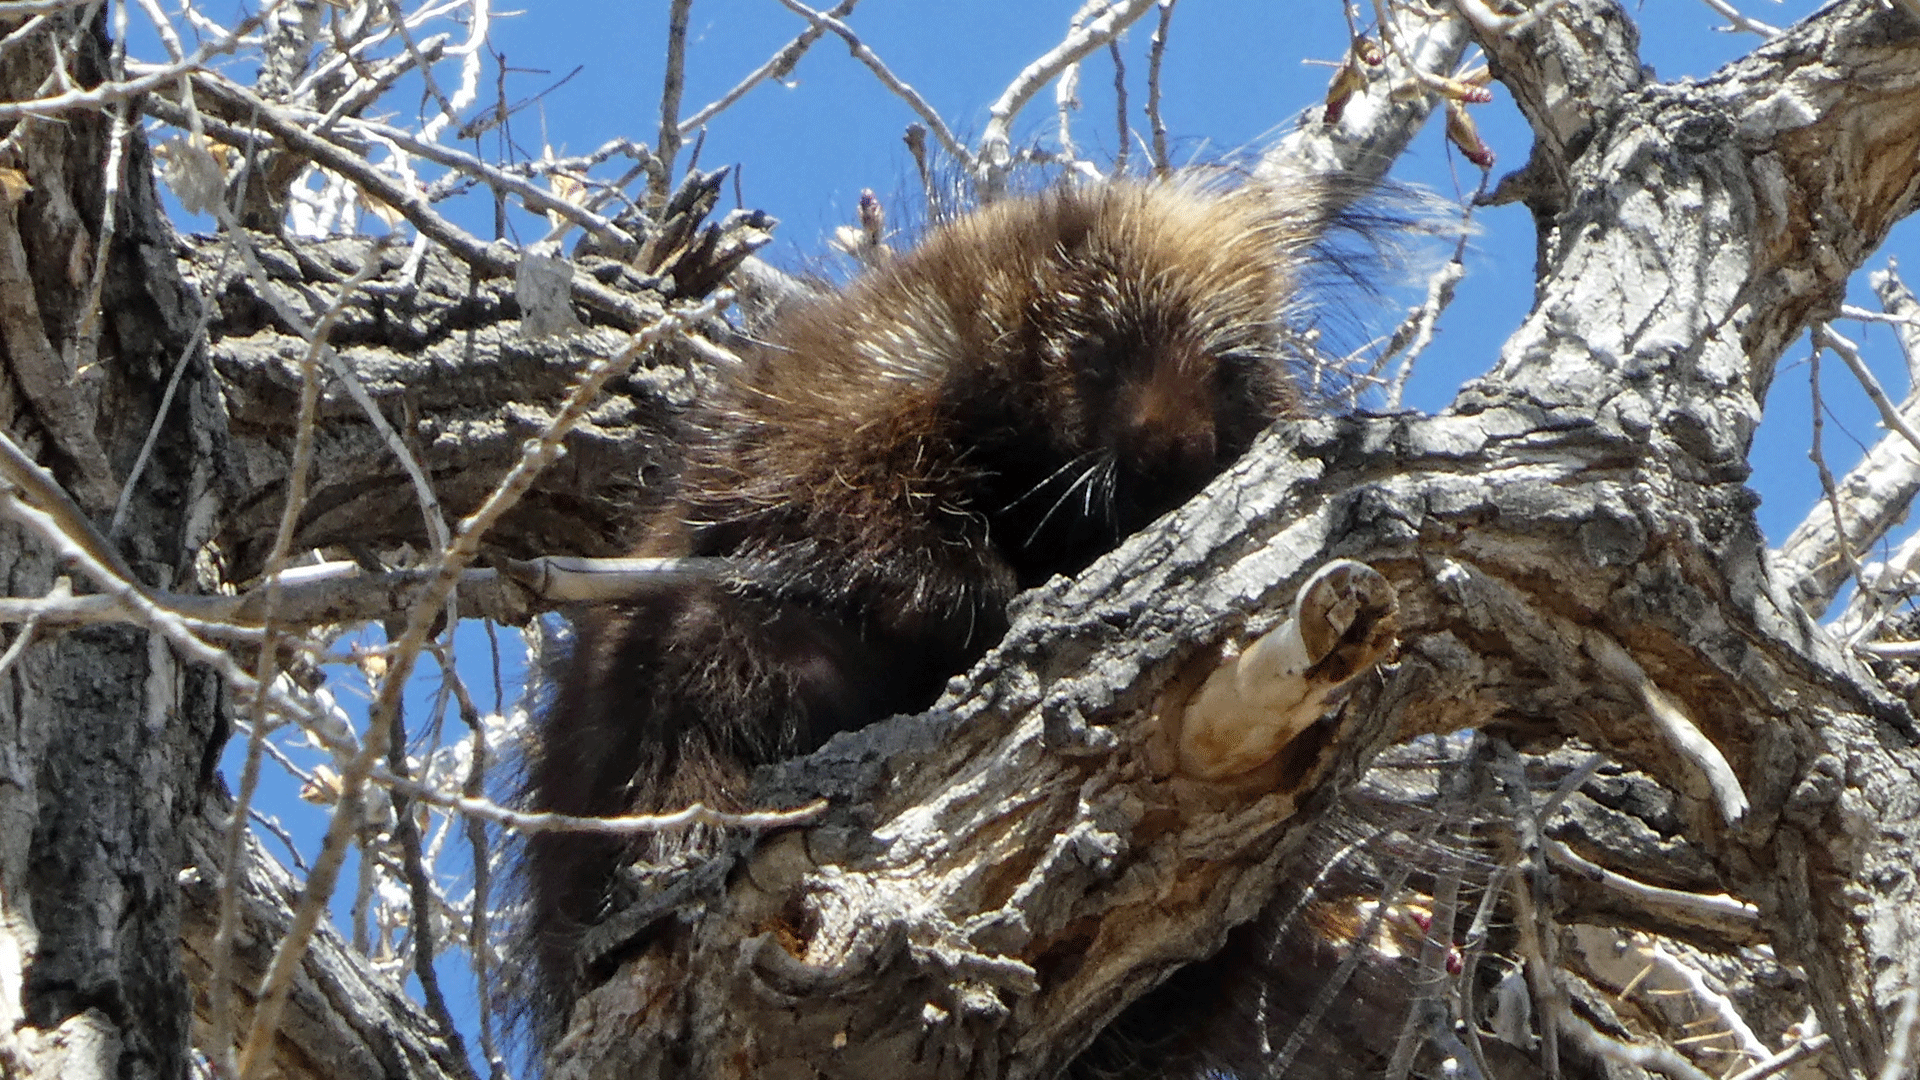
[347,1019]
[108,736]
[445,358]
[105,731]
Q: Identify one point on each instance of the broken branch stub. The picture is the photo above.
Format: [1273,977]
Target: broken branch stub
[1264,694]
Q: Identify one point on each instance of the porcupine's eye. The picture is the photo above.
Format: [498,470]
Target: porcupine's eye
[1095,362]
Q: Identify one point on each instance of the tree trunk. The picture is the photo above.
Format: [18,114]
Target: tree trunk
[108,734]
[112,802]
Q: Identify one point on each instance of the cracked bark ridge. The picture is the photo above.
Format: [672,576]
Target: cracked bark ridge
[828,924]
[445,358]
[465,374]
[1708,223]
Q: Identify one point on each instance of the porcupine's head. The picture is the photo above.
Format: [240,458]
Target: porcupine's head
[1111,349]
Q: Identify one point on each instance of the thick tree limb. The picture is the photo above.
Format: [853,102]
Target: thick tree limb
[346,1019]
[104,729]
[467,389]
[1570,547]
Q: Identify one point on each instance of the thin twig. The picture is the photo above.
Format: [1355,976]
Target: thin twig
[1780,1062]
[1739,21]
[163,29]
[627,825]
[667,147]
[1892,650]
[335,593]
[479,946]
[1825,335]
[51,528]
[1723,912]
[420,906]
[469,51]
[1449,88]
[373,83]
[27,31]
[1066,102]
[887,78]
[1156,123]
[1536,943]
[19,469]
[498,259]
[1653,1056]
[1830,492]
[115,91]
[195,342]
[86,340]
[996,156]
[266,661]
[18,645]
[536,197]
[1848,311]
[1876,493]
[1123,137]
[777,66]
[1722,1011]
[279,832]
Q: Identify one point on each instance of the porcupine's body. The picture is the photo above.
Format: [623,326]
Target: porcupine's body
[1004,403]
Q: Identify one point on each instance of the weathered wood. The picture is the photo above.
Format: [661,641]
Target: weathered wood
[104,731]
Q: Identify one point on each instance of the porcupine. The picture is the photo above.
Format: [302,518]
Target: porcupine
[1005,402]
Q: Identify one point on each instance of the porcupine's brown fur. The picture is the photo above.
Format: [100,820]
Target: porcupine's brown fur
[1003,403]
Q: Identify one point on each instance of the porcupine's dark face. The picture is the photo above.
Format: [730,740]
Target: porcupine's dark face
[1149,424]
[1173,417]
[1157,364]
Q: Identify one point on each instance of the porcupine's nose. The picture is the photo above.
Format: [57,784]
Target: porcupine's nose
[1168,430]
